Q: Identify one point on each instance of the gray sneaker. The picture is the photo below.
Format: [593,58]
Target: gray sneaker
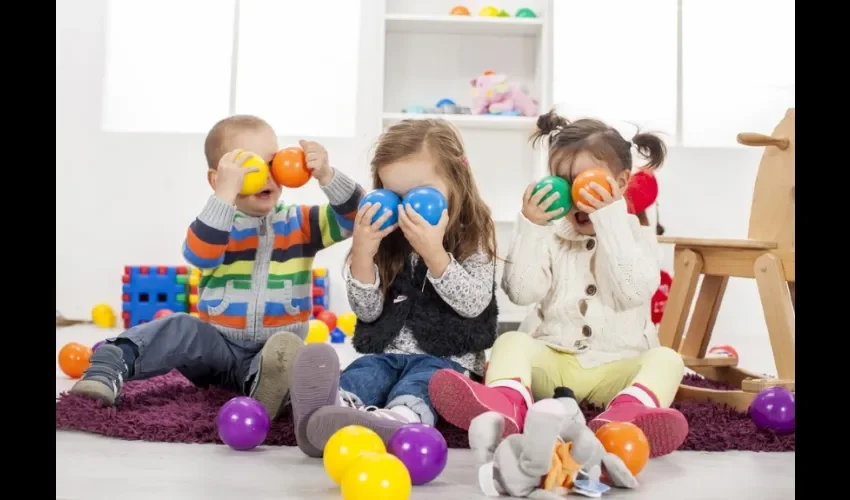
[271,384]
[105,377]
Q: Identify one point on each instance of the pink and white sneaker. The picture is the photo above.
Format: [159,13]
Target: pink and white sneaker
[665,428]
[459,400]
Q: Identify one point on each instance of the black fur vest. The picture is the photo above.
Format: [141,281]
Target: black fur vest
[439,330]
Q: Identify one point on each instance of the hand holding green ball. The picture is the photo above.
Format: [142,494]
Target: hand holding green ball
[548,200]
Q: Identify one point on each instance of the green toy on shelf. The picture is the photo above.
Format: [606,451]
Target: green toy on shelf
[525,12]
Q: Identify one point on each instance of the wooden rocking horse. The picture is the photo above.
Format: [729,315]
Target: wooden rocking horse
[766,256]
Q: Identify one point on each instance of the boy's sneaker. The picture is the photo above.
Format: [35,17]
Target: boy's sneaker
[105,377]
[271,384]
[324,422]
[458,399]
[315,384]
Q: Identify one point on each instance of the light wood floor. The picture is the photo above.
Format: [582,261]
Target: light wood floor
[91,467]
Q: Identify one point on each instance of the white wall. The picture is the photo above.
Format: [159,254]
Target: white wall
[125,199]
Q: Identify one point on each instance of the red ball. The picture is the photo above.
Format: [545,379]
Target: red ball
[163,313]
[641,192]
[318,291]
[327,318]
[317,310]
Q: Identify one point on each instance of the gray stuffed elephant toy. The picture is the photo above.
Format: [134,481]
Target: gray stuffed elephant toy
[555,455]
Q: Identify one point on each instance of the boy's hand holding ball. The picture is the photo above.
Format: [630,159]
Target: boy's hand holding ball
[317,161]
[232,170]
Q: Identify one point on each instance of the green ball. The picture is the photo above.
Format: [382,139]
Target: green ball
[560,186]
[503,13]
[525,12]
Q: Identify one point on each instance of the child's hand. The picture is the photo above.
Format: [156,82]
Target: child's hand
[426,239]
[317,161]
[535,211]
[596,204]
[368,235]
[230,174]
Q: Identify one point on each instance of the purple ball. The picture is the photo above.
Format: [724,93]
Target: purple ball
[243,423]
[773,408]
[422,449]
[94,347]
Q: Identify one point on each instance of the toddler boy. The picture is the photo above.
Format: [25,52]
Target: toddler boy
[256,259]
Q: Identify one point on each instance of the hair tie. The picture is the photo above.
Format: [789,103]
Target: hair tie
[465,161]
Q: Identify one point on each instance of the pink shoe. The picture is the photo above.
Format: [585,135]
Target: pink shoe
[665,428]
[459,400]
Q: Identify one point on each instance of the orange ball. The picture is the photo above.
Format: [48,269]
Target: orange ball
[460,10]
[74,359]
[289,168]
[583,180]
[626,441]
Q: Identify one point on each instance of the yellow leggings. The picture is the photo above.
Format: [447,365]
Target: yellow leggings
[518,355]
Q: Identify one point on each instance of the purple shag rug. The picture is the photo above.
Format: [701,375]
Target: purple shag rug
[170,409]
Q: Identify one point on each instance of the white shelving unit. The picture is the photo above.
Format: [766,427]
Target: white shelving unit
[429,55]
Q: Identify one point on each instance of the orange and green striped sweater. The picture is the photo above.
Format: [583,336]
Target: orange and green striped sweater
[256,272]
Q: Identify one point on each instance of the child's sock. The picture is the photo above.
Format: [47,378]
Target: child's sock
[406,413]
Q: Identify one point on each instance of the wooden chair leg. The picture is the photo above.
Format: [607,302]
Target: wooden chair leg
[778,313]
[705,315]
[686,270]
[792,288]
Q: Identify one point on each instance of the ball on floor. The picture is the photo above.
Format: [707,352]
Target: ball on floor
[422,449]
[774,409]
[376,476]
[243,423]
[346,445]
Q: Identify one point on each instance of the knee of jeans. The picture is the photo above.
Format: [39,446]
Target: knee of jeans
[665,356]
[418,405]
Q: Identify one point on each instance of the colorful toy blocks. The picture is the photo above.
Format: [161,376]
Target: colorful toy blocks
[194,279]
[321,290]
[148,289]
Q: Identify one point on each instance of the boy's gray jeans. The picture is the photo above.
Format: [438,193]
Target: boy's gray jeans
[196,349]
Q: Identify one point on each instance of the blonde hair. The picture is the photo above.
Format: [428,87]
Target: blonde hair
[470,226]
[215,145]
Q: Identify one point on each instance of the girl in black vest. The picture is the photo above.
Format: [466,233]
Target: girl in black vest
[423,295]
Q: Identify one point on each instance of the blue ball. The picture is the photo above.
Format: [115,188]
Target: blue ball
[388,200]
[427,202]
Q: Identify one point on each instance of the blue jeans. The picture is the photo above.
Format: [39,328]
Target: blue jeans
[388,380]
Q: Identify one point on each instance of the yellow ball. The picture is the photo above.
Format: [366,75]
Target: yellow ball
[103,316]
[376,476]
[318,332]
[489,11]
[254,181]
[346,322]
[346,445]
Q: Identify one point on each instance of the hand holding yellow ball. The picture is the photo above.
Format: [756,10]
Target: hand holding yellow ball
[253,182]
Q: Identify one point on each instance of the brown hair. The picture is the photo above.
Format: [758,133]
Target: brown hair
[470,226]
[567,139]
[215,145]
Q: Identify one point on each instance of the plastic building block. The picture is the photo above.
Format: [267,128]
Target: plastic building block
[147,289]
[337,336]
[194,298]
[321,290]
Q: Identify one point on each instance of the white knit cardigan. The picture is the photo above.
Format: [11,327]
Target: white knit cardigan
[592,294]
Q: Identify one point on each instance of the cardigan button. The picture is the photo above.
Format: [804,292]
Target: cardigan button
[590,244]
[591,289]
[586,331]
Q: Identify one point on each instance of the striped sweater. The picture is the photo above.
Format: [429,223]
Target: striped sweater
[256,272]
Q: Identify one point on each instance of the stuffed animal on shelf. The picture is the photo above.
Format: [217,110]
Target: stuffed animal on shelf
[493,93]
[557,454]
